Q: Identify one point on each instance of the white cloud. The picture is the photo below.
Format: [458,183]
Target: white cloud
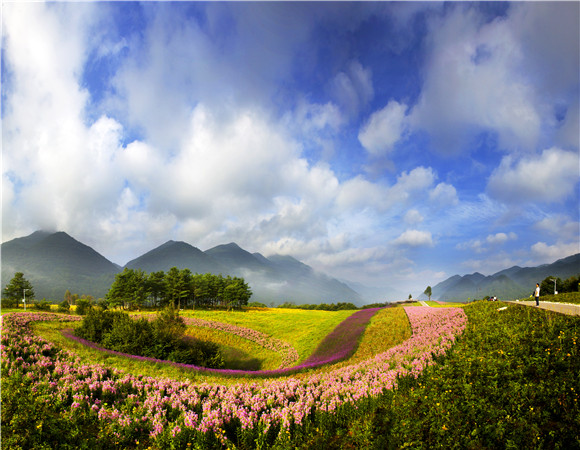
[500,238]
[415,238]
[474,82]
[443,195]
[559,225]
[550,177]
[413,217]
[544,253]
[383,129]
[353,88]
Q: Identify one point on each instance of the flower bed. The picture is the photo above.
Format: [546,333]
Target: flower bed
[136,407]
[289,353]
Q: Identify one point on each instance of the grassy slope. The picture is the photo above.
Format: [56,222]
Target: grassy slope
[302,329]
[511,381]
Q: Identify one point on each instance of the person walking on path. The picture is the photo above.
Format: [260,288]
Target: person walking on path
[537,294]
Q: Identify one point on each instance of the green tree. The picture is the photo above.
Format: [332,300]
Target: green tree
[18,288]
[547,285]
[156,287]
[428,292]
[129,289]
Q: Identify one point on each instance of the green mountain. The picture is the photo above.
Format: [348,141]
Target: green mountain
[515,282]
[176,254]
[55,262]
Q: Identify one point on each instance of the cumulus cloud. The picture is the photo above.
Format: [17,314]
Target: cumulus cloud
[549,177]
[383,129]
[443,195]
[559,225]
[545,253]
[474,82]
[490,242]
[415,238]
[500,238]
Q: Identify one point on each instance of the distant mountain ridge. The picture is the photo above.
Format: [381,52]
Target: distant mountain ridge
[55,262]
[508,284]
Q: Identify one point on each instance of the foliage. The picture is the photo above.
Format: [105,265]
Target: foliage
[161,339]
[510,381]
[428,292]
[18,288]
[64,306]
[341,306]
[566,297]
[256,305]
[83,305]
[42,305]
[569,285]
[134,289]
[161,413]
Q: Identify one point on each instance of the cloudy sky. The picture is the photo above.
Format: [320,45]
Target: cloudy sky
[393,144]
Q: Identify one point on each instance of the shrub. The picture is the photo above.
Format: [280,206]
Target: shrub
[163,338]
[42,305]
[64,307]
[83,305]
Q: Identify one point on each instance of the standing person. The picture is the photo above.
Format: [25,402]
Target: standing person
[537,294]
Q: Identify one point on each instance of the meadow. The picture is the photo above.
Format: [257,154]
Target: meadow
[420,377]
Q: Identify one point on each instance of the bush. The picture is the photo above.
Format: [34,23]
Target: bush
[42,305]
[163,338]
[9,303]
[83,305]
[63,307]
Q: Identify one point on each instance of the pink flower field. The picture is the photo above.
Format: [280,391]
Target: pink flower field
[131,406]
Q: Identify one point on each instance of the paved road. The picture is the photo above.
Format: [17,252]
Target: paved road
[564,308]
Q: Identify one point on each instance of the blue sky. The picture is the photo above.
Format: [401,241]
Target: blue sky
[387,143]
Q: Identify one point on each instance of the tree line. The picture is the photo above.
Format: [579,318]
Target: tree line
[134,289]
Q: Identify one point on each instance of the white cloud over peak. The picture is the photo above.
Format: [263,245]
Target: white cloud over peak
[549,177]
[545,253]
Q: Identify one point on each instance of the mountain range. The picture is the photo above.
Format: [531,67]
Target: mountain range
[55,262]
[515,282]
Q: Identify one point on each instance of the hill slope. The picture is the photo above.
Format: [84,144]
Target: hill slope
[508,284]
[55,262]
[176,254]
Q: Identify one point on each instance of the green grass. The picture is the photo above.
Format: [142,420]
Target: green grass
[511,381]
[565,297]
[238,353]
[303,329]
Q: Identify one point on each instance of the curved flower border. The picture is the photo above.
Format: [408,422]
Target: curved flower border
[121,400]
[289,353]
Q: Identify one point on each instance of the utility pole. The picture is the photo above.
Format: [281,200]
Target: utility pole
[554,280]
[24,299]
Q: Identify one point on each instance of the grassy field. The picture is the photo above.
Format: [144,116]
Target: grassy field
[512,380]
[302,329]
